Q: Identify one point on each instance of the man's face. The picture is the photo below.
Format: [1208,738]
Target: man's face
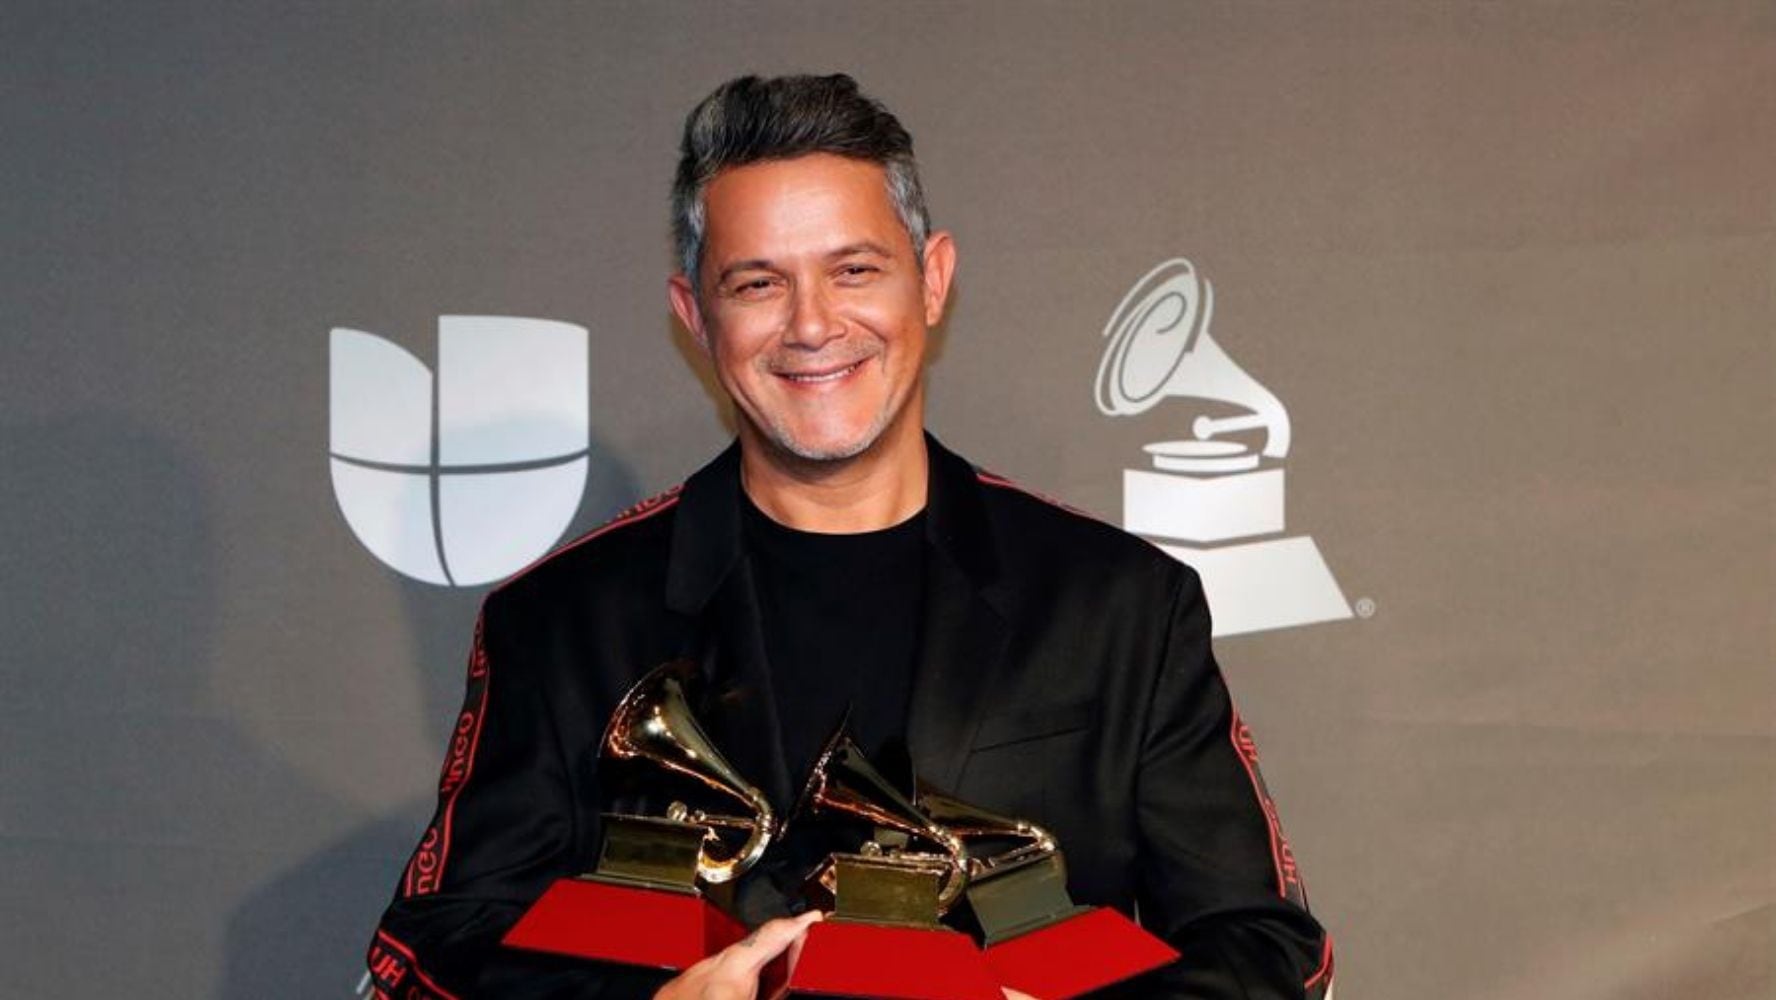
[813,305]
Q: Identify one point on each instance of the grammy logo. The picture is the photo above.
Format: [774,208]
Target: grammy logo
[1215,499]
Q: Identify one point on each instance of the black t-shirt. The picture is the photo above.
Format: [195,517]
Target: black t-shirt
[841,627]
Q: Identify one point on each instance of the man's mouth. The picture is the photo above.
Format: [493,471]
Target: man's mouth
[814,378]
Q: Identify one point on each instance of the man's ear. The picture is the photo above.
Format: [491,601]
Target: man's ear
[940,267]
[683,298]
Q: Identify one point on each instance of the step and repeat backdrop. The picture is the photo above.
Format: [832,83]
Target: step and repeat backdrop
[1437,335]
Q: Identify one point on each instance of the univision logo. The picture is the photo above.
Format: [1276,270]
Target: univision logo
[467,477]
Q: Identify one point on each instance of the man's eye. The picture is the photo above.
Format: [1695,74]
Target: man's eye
[857,270]
[751,287]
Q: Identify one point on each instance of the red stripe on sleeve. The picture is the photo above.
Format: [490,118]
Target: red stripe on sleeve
[383,985]
[471,720]
[1281,855]
[1324,972]
[425,871]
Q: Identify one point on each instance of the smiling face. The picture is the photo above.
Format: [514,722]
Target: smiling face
[814,307]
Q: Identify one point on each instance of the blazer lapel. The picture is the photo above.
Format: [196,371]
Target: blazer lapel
[709,581]
[964,639]
[964,633]
[741,710]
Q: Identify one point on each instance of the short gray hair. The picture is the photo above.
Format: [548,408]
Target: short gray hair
[751,120]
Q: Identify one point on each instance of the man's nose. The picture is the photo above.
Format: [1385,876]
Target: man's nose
[812,320]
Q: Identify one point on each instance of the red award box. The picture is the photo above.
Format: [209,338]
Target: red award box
[618,923]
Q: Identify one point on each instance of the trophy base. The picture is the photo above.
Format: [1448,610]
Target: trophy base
[842,958]
[606,922]
[1077,955]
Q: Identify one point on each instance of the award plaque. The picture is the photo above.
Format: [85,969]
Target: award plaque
[644,904]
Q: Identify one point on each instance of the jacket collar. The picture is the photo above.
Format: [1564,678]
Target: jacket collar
[706,535]
[964,629]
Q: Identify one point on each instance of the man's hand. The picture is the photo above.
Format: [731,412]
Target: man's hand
[733,972]
[1011,994]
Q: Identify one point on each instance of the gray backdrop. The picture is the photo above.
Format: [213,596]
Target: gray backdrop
[1509,266]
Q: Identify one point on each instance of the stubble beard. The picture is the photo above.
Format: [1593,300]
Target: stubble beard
[777,430]
[779,436]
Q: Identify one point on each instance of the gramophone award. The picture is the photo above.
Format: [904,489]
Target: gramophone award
[1037,940]
[643,904]
[882,936]
[933,856]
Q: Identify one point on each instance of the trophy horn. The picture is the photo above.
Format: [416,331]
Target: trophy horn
[845,783]
[972,823]
[654,723]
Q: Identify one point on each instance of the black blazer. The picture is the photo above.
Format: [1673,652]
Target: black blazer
[1065,676]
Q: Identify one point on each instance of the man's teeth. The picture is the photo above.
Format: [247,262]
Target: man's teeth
[828,377]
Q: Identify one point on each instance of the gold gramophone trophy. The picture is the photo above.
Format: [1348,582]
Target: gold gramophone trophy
[1037,940]
[643,903]
[882,937]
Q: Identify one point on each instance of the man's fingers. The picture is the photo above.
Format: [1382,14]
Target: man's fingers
[689,983]
[1011,994]
[771,939]
[795,946]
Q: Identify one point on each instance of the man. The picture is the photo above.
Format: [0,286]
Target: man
[838,560]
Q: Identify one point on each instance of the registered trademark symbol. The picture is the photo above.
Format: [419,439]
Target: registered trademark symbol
[1365,607]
